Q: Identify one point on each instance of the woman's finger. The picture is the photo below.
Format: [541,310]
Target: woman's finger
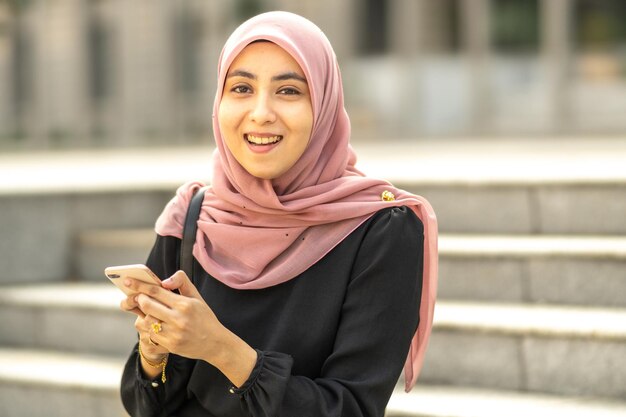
[181,282]
[150,347]
[154,308]
[129,304]
[149,329]
[141,324]
[156,332]
[165,296]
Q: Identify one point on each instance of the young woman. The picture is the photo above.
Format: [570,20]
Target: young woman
[316,283]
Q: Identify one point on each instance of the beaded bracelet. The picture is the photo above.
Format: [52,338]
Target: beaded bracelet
[161,364]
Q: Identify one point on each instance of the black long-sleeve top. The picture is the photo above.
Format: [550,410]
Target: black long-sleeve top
[330,342]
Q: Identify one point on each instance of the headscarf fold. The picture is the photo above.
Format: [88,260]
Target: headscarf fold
[255,233]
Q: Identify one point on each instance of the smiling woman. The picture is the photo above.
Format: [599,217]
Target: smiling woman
[265,115]
[314,284]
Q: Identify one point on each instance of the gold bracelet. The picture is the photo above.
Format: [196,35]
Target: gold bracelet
[161,364]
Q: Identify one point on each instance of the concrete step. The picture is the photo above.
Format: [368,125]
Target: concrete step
[579,270]
[445,401]
[39,231]
[520,187]
[47,383]
[537,269]
[537,348]
[504,346]
[38,383]
[52,384]
[540,208]
[546,186]
[68,317]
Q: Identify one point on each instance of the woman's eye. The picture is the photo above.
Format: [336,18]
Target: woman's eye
[288,91]
[240,89]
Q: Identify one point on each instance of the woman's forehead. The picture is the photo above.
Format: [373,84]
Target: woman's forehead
[265,55]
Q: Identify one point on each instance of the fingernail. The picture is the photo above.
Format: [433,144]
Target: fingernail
[127,282]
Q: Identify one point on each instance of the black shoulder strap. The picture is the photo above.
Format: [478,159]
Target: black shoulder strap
[189,233]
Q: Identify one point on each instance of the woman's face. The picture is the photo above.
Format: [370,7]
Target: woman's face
[265,115]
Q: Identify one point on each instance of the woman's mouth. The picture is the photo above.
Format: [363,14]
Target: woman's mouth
[262,140]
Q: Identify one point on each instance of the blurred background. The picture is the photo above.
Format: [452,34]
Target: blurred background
[110,73]
[509,116]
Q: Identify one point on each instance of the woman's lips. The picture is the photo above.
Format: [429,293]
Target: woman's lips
[263,140]
[262,143]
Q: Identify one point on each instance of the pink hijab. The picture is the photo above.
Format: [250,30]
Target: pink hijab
[255,233]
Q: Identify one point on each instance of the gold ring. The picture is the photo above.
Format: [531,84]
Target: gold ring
[156,327]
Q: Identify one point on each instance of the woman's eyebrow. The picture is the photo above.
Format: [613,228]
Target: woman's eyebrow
[241,73]
[289,76]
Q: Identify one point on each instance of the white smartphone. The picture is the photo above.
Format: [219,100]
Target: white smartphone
[117,275]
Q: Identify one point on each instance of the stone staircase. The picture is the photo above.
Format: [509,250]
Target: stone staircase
[532,312]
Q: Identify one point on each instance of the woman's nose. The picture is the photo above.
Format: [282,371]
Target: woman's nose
[262,111]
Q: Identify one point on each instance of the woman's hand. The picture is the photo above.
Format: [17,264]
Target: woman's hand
[149,348]
[188,327]
[152,354]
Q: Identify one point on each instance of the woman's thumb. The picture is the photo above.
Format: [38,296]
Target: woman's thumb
[181,282]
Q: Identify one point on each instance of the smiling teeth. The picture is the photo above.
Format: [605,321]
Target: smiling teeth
[263,141]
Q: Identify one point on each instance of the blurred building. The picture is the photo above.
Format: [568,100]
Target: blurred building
[96,73]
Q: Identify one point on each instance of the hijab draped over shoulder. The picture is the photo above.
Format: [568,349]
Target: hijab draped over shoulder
[255,233]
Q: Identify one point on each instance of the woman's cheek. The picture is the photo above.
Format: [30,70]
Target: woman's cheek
[227,115]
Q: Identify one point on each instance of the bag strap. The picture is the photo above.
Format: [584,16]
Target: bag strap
[189,232]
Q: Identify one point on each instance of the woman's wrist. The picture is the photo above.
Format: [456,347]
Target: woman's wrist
[146,353]
[151,368]
[236,359]
[153,360]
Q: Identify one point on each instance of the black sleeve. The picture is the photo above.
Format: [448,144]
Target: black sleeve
[379,318]
[143,397]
